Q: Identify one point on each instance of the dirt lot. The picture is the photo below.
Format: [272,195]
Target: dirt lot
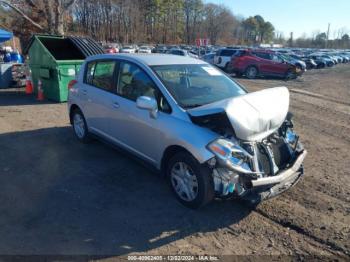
[61,197]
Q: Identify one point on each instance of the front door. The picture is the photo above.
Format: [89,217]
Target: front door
[131,127]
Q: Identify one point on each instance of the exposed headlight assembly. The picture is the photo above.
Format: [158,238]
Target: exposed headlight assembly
[231,155]
[291,137]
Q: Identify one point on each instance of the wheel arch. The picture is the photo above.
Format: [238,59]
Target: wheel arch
[252,65]
[169,152]
[71,110]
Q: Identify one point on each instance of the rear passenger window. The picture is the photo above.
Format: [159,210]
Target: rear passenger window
[101,74]
[262,55]
[228,52]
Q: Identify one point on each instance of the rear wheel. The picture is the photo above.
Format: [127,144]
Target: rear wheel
[251,72]
[190,181]
[80,127]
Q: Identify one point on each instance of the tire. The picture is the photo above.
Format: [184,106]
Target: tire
[239,74]
[290,75]
[320,66]
[228,68]
[183,168]
[251,72]
[80,127]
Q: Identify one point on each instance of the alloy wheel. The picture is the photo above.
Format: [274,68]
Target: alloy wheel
[79,125]
[184,181]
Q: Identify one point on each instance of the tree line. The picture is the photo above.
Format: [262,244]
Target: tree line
[147,21]
[137,21]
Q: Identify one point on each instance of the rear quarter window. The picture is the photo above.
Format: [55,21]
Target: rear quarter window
[262,55]
[228,52]
[100,74]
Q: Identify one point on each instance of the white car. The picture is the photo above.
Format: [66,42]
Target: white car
[222,58]
[145,50]
[128,50]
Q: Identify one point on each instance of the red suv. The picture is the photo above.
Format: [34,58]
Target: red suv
[253,63]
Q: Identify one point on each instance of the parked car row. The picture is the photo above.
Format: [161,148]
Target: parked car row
[159,48]
[253,63]
[250,62]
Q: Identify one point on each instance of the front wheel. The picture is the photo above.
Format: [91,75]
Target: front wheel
[190,181]
[290,75]
[228,68]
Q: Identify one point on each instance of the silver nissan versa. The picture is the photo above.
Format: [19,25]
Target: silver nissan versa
[202,130]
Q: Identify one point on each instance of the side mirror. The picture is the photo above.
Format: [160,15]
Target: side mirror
[148,103]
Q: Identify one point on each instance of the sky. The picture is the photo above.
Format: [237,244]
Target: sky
[297,16]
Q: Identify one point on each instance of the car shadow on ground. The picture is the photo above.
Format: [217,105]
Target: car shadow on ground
[59,196]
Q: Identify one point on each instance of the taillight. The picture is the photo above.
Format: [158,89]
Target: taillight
[72,83]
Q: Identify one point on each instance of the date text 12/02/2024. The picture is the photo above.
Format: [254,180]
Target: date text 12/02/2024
[172,258]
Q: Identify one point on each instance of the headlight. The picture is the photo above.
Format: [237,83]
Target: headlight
[291,137]
[231,155]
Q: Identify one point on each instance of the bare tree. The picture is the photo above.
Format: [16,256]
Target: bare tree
[51,13]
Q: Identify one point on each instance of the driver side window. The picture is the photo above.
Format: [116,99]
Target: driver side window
[276,58]
[133,82]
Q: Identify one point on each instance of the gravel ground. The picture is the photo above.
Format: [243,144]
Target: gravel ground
[62,197]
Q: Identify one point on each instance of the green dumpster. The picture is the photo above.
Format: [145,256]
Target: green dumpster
[56,60]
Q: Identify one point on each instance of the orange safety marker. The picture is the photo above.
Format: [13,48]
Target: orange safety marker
[29,86]
[40,91]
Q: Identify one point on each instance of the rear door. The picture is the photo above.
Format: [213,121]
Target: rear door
[99,82]
[264,62]
[279,67]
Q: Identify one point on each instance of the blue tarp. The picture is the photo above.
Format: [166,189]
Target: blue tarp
[4,36]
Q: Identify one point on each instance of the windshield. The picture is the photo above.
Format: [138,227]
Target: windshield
[285,57]
[196,85]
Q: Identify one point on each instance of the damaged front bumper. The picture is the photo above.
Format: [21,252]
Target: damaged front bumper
[283,176]
[258,189]
[269,187]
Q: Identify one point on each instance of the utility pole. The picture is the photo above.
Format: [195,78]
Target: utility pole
[291,39]
[329,26]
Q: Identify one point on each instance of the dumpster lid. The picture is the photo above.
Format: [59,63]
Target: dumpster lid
[86,45]
[31,40]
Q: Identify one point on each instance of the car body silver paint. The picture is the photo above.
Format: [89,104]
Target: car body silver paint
[133,128]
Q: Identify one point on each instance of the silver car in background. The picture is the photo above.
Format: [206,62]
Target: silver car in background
[202,130]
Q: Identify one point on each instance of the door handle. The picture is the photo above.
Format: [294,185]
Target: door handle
[115,105]
[84,91]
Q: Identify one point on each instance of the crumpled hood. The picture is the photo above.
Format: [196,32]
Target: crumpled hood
[253,116]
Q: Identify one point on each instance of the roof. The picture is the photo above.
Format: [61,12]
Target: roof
[154,59]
